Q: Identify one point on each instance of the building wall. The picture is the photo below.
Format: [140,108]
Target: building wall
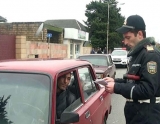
[87,50]
[72,47]
[7,47]
[30,46]
[72,54]
[75,34]
[75,38]
[28,49]
[27,29]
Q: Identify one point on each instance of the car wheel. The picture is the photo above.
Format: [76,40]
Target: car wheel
[105,120]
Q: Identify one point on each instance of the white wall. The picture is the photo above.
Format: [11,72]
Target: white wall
[75,36]
[71,33]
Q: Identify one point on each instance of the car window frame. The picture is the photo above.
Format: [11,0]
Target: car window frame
[110,60]
[78,103]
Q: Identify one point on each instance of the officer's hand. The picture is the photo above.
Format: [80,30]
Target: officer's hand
[108,79]
[110,87]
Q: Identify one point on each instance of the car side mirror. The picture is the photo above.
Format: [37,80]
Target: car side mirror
[68,117]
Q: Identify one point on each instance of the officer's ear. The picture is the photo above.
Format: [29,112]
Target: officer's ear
[140,35]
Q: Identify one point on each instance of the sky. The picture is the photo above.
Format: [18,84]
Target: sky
[41,10]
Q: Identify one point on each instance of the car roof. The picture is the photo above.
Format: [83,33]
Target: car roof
[95,55]
[119,50]
[48,66]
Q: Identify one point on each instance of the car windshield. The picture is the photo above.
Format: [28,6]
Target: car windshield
[96,60]
[119,53]
[24,98]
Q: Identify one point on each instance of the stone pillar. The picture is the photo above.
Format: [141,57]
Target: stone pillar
[74,55]
[67,42]
[21,47]
[81,48]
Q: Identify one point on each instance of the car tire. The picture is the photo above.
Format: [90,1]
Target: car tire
[105,120]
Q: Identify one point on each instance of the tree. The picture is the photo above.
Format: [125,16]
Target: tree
[3,113]
[97,18]
[158,46]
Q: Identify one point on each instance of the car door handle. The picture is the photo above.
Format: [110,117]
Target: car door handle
[101,98]
[87,114]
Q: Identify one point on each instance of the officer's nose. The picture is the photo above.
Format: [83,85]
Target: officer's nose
[125,42]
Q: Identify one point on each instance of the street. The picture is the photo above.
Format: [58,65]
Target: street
[118,101]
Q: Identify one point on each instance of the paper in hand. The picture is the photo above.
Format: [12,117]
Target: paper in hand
[101,81]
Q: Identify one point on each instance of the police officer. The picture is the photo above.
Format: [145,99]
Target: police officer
[141,86]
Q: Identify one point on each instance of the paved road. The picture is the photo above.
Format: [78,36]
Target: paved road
[117,113]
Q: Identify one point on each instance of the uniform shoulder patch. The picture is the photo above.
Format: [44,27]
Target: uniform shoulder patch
[149,48]
[152,67]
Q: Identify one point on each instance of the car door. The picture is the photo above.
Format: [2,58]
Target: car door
[93,98]
[111,66]
[77,106]
[80,107]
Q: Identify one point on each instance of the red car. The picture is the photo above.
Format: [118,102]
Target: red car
[28,93]
[102,63]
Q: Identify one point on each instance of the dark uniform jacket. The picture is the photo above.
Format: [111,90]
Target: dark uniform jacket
[64,99]
[145,62]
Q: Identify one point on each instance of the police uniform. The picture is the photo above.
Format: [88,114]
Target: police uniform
[142,88]
[143,94]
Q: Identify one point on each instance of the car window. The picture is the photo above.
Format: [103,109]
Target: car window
[88,87]
[74,86]
[119,53]
[87,83]
[24,97]
[68,93]
[96,60]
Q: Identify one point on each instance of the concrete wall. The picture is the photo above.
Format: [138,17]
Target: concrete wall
[21,47]
[29,49]
[87,50]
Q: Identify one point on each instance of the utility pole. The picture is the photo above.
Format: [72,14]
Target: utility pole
[109,2]
[107,27]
